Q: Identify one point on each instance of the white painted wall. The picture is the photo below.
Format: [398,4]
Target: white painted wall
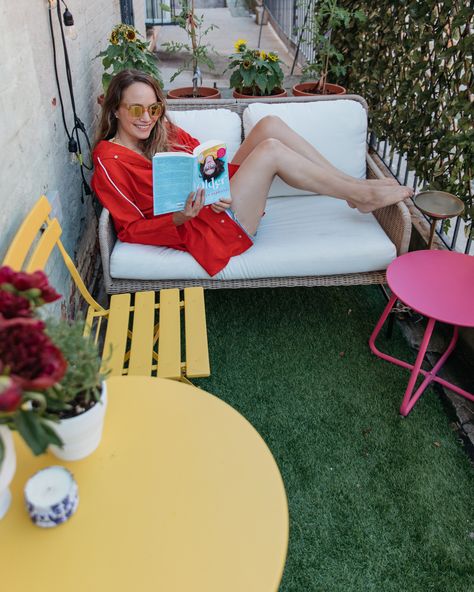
[33,144]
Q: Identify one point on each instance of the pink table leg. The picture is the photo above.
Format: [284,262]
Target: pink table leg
[409,398]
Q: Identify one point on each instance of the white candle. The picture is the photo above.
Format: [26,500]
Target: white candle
[51,496]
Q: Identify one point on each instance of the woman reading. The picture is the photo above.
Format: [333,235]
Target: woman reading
[134,126]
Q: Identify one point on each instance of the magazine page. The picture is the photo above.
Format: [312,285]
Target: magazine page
[172,181]
[211,171]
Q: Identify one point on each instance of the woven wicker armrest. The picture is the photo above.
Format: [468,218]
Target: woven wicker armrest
[107,240]
[395,219]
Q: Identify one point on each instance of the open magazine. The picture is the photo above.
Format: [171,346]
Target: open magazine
[176,174]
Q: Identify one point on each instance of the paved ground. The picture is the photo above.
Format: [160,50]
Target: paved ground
[230,28]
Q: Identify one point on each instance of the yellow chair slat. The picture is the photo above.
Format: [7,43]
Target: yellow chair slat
[197,352]
[141,350]
[26,234]
[149,346]
[169,343]
[115,343]
[44,247]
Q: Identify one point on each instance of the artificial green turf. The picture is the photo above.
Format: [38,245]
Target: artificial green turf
[377,502]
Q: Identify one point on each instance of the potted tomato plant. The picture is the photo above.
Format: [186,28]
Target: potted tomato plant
[328,60]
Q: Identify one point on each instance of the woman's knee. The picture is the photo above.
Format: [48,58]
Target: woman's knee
[269,125]
[269,150]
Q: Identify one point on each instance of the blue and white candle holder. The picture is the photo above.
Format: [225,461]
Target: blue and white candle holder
[51,496]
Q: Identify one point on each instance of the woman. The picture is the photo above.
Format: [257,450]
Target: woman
[134,127]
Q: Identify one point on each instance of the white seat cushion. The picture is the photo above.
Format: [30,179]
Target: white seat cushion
[298,236]
[338,129]
[211,124]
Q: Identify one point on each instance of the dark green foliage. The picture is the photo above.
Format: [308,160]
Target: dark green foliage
[328,16]
[412,61]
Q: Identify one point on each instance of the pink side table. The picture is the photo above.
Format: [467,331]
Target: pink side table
[440,286]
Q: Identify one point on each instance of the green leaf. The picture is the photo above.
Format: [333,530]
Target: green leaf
[2,451]
[31,429]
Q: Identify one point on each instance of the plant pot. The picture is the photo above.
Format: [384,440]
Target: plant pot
[278,92]
[186,92]
[307,89]
[7,470]
[81,435]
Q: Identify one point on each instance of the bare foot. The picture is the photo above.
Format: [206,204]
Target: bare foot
[379,196]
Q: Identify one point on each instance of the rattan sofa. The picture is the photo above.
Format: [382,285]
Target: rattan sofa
[394,220]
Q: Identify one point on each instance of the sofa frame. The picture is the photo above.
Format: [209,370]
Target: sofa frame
[395,221]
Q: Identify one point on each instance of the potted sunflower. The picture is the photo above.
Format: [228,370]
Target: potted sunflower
[126,50]
[256,73]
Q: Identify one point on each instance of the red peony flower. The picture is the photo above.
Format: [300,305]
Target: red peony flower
[12,305]
[10,395]
[36,282]
[30,357]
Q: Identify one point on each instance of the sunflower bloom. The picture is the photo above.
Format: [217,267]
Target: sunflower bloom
[246,64]
[263,54]
[113,38]
[273,57]
[131,35]
[240,45]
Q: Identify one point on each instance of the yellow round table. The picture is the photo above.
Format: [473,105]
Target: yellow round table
[182,495]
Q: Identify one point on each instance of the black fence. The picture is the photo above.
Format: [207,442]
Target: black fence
[157,15]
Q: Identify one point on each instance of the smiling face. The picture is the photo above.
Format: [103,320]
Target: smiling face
[210,166]
[132,130]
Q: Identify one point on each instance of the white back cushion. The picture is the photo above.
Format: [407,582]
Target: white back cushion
[338,129]
[211,124]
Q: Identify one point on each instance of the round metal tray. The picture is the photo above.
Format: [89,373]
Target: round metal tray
[438,204]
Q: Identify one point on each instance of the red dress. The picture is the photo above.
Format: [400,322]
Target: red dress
[122,181]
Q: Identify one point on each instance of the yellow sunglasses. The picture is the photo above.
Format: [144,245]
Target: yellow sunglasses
[154,110]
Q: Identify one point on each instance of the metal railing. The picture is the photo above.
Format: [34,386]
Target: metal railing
[450,233]
[156,15]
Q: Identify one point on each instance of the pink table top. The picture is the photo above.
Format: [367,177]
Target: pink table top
[437,284]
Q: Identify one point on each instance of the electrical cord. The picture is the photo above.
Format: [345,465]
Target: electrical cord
[74,141]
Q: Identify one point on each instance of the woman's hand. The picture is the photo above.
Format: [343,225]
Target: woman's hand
[192,207]
[222,205]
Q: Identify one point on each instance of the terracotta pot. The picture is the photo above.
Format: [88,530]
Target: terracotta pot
[306,89]
[278,92]
[186,92]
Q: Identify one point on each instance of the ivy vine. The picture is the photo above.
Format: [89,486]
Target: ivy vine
[412,61]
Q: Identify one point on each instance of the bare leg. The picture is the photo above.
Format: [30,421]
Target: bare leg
[250,184]
[272,126]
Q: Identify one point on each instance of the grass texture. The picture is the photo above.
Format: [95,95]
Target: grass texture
[377,502]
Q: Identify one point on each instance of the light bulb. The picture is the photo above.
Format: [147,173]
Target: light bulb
[71,32]
[68,21]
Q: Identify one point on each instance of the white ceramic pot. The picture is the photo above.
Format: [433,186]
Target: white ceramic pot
[7,470]
[81,435]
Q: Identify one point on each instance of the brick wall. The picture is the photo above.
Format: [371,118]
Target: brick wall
[33,143]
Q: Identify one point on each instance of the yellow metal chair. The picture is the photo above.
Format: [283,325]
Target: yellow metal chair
[140,333]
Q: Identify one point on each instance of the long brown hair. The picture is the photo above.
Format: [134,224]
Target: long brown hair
[157,141]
